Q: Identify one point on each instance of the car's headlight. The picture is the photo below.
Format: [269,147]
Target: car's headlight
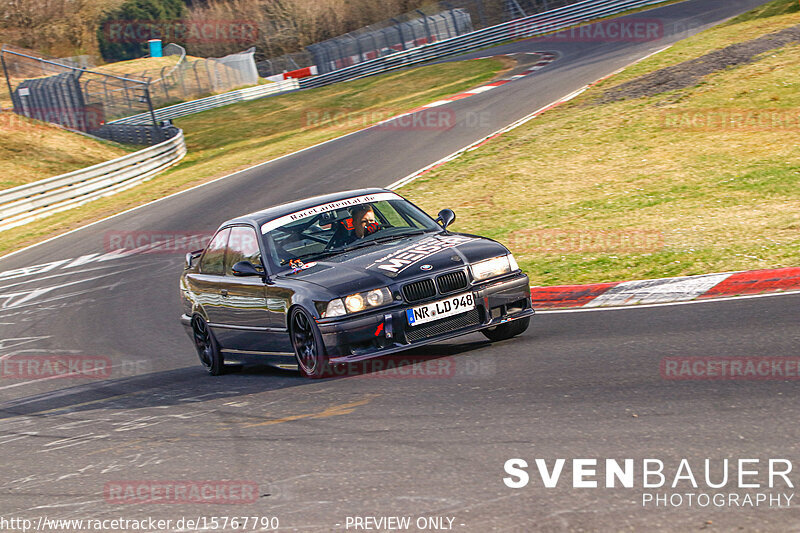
[364,300]
[358,302]
[335,308]
[491,268]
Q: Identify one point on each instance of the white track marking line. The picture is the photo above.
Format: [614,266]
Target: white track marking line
[27,295]
[82,260]
[23,340]
[480,89]
[437,103]
[414,175]
[62,274]
[664,304]
[126,211]
[187,190]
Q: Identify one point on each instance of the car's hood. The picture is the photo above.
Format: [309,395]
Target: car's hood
[397,261]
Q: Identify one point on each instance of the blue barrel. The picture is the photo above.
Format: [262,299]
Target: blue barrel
[155,48]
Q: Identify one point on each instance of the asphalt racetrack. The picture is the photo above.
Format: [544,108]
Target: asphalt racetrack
[431,446]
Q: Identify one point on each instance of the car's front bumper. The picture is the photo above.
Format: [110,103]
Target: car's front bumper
[387,331]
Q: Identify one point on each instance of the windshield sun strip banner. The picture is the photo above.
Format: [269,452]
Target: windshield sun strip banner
[330,206]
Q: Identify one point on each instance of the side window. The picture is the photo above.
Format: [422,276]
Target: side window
[242,246]
[214,257]
[390,214]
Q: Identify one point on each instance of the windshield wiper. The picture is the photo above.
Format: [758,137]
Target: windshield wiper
[401,235]
[358,245]
[312,255]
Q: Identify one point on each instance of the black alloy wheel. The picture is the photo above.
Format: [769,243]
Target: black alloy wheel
[308,347]
[207,347]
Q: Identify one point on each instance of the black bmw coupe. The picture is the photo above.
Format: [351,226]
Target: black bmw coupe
[344,277]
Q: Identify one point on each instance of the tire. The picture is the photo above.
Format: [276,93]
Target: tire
[309,350]
[207,348]
[507,330]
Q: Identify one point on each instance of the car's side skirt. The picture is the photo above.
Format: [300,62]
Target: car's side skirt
[248,328]
[255,352]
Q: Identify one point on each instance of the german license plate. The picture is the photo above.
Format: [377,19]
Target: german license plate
[453,305]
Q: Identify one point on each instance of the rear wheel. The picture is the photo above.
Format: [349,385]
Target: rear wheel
[207,348]
[507,330]
[307,342]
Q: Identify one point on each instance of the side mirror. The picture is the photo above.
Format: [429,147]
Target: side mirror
[190,257]
[446,217]
[246,268]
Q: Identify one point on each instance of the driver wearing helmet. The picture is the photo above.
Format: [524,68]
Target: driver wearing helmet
[364,223]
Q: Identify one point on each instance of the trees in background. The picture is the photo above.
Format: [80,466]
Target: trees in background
[70,27]
[290,25]
[56,27]
[122,33]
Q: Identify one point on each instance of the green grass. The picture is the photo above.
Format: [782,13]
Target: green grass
[771,9]
[768,18]
[283,124]
[717,199]
[31,150]
[227,139]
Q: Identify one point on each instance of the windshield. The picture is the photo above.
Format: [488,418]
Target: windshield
[337,227]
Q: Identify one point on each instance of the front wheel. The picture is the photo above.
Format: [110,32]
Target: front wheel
[507,330]
[207,348]
[307,342]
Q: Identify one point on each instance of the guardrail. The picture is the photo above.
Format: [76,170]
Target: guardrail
[39,199]
[521,28]
[35,200]
[210,102]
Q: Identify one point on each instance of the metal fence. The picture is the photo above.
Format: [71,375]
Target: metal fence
[540,24]
[415,26]
[211,102]
[23,204]
[284,63]
[64,92]
[486,13]
[73,96]
[39,199]
[357,47]
[143,133]
[190,79]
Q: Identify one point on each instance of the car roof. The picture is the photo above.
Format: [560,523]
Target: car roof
[258,218]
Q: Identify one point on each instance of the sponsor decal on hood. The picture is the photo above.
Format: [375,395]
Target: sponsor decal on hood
[403,258]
